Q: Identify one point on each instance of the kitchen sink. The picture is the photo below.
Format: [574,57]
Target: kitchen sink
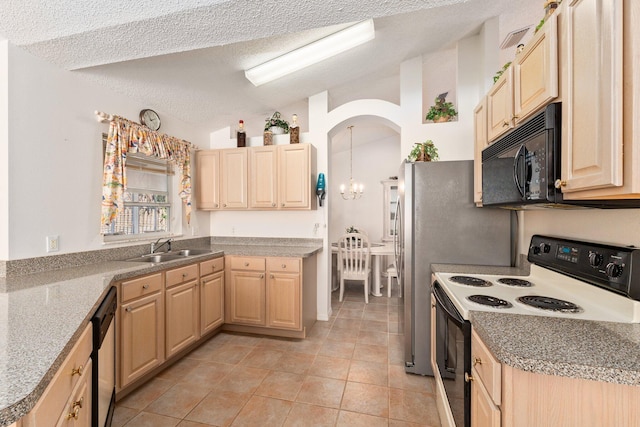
[191,252]
[170,256]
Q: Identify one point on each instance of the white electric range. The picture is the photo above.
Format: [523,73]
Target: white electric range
[604,292]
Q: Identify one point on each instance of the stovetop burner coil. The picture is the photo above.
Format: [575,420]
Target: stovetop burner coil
[549,304]
[470,281]
[512,281]
[489,301]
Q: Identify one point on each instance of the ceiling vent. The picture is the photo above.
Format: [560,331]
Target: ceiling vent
[514,37]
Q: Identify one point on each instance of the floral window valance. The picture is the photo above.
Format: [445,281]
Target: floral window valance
[125,137]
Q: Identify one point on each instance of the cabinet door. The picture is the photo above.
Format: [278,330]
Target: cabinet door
[142,337]
[263,177]
[500,106]
[208,179]
[294,176]
[211,302]
[592,94]
[535,72]
[247,298]
[77,411]
[484,413]
[481,142]
[284,300]
[182,324]
[233,181]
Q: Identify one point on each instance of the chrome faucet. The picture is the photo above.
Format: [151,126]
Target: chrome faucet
[155,246]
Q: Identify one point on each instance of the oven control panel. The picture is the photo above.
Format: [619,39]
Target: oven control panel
[607,266]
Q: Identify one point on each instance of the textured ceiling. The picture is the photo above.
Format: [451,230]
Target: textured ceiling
[186,57]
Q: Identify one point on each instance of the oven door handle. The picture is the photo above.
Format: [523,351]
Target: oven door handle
[516,170]
[445,303]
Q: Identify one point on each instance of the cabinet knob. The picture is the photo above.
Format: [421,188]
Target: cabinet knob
[284,265]
[505,124]
[246,264]
[184,275]
[467,377]
[477,361]
[215,205]
[273,205]
[77,371]
[271,276]
[145,286]
[262,276]
[77,405]
[224,205]
[283,205]
[128,309]
[559,183]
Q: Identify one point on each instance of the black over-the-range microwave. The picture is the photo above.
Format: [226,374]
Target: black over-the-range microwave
[519,170]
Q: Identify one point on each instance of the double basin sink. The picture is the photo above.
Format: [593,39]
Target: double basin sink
[170,256]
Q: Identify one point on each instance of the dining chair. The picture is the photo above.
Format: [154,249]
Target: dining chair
[354,261]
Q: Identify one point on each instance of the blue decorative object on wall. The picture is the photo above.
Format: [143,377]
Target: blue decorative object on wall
[320,188]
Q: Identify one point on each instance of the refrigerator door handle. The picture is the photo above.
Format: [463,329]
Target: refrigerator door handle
[396,239]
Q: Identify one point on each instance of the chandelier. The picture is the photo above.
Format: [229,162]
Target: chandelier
[355,190]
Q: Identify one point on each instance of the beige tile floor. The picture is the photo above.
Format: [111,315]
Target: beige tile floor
[348,372]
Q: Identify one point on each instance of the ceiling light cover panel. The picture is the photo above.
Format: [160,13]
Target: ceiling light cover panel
[312,53]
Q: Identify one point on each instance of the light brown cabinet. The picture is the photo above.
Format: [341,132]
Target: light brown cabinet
[480,143]
[207,179]
[486,392]
[284,293]
[140,336]
[273,295]
[69,392]
[233,178]
[527,85]
[211,295]
[267,177]
[600,51]
[246,292]
[182,302]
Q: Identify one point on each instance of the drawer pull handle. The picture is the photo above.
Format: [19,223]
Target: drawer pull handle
[284,265]
[246,264]
[505,124]
[477,361]
[145,286]
[184,275]
[77,405]
[128,309]
[77,371]
[467,377]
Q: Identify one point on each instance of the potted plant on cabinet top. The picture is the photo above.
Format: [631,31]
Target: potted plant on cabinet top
[423,152]
[441,111]
[276,124]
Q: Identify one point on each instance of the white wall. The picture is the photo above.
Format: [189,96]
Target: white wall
[54,173]
[4,150]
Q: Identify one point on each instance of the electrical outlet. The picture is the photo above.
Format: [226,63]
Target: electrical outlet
[53,243]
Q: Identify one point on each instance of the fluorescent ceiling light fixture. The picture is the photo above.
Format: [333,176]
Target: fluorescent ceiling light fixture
[312,53]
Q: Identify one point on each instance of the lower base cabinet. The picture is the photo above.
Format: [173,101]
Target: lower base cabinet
[182,320]
[211,297]
[503,396]
[67,399]
[270,295]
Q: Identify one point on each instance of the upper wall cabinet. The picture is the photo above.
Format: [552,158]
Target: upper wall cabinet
[599,51]
[527,85]
[265,177]
[480,143]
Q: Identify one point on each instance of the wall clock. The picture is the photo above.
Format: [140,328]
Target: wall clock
[150,119]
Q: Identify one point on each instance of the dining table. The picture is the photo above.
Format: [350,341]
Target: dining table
[379,251]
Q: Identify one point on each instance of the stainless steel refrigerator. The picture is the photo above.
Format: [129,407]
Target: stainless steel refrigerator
[437,222]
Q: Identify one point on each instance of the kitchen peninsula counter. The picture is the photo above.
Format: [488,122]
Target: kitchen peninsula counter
[574,348]
[44,314]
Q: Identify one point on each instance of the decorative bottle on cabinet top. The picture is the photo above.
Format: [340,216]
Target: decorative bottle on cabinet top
[241,134]
[294,130]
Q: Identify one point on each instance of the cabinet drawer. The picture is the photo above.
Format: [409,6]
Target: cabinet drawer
[135,288]
[247,263]
[181,275]
[211,266]
[52,403]
[487,367]
[291,265]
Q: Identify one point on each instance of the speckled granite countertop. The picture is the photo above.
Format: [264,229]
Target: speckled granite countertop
[32,350]
[599,351]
